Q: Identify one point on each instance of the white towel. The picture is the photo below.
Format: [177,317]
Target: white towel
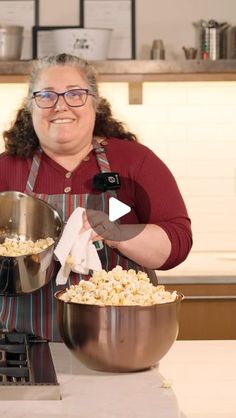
[78,246]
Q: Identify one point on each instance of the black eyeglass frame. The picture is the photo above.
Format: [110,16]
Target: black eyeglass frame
[86,91]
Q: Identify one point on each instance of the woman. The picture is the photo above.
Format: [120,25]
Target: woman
[62,138]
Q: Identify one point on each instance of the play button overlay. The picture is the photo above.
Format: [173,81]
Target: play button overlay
[119,221]
[117,209]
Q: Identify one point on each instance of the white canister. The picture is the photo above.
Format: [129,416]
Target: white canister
[89,44]
[11,39]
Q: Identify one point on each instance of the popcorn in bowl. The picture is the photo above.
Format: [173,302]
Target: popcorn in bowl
[118,287]
[13,247]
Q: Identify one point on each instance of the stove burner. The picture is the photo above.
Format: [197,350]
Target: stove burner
[26,368]
[13,358]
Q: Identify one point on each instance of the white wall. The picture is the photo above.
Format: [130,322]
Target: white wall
[170,20]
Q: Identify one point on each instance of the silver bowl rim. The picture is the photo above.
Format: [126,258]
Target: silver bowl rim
[21,195]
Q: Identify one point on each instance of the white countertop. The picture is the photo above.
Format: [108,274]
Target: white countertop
[202,376]
[206,266]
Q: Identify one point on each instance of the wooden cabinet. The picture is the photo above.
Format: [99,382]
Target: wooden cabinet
[208,311]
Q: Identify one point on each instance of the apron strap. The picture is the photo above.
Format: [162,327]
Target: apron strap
[101,157]
[33,171]
[103,162]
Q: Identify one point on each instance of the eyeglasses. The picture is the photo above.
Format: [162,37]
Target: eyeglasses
[45,99]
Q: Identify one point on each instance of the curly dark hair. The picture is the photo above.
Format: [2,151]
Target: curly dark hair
[21,139]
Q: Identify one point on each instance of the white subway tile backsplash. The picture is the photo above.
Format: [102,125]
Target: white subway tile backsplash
[207,187]
[172,132]
[164,94]
[214,242]
[213,93]
[208,205]
[213,133]
[211,167]
[144,114]
[203,150]
[214,223]
[202,113]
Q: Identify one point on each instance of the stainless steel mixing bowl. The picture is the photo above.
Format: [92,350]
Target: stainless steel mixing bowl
[28,218]
[118,338]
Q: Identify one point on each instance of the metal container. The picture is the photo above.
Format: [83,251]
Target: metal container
[118,338]
[25,217]
[209,38]
[11,39]
[158,50]
[190,53]
[228,43]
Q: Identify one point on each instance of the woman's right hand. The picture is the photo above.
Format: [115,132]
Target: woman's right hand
[102,227]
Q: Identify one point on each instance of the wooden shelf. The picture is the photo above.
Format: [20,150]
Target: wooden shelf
[141,71]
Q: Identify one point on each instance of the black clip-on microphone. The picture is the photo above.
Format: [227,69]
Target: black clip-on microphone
[106,181]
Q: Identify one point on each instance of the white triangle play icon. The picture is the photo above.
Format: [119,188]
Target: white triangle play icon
[117,209]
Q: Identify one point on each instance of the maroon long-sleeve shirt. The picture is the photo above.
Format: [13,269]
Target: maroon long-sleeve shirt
[147,186]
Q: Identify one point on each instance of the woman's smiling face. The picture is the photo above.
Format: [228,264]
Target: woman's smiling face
[63,129]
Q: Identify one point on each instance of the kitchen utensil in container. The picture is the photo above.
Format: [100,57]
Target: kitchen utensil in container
[118,338]
[11,39]
[86,43]
[209,34]
[26,218]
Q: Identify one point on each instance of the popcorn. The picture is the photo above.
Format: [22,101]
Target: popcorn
[118,287]
[13,247]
